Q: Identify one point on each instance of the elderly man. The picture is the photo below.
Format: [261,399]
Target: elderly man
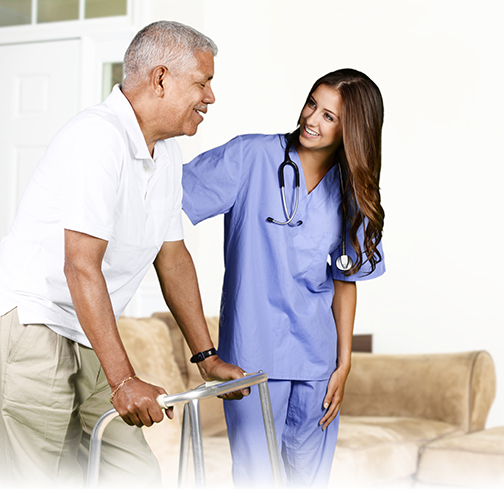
[103,205]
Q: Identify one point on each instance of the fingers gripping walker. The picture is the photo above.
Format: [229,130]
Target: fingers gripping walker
[191,427]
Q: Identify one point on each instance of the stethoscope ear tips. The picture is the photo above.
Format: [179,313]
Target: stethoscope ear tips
[299,223]
[270,219]
[344,263]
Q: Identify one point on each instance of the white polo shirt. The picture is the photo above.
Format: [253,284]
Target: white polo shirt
[96,177]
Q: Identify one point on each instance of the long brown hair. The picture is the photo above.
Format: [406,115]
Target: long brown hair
[360,158]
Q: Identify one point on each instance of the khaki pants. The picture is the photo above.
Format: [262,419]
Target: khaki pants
[52,393]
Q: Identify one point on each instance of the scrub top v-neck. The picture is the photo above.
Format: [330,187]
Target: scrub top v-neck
[276,313]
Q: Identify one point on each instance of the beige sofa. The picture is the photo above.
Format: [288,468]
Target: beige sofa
[395,406]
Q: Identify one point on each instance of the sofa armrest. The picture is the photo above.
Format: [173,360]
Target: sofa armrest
[456,388]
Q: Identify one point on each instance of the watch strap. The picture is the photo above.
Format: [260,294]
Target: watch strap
[201,356]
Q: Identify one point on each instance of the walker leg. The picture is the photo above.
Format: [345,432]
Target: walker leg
[197,443]
[184,445]
[95,448]
[269,428]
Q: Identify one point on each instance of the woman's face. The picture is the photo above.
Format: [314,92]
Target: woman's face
[320,125]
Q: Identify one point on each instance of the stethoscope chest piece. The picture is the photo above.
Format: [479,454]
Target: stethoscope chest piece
[344,263]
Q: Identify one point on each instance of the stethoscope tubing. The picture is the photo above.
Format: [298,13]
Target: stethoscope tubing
[344,262]
[281,179]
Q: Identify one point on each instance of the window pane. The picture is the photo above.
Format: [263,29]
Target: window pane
[104,8]
[56,10]
[15,12]
[112,74]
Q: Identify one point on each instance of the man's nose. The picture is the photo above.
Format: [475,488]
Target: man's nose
[209,96]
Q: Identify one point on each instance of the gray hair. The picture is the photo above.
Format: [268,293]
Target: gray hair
[167,43]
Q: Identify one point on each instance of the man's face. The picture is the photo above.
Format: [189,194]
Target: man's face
[188,96]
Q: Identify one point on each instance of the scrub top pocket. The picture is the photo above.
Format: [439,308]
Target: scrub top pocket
[310,252]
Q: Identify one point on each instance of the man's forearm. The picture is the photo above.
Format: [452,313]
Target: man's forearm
[179,285]
[94,311]
[92,304]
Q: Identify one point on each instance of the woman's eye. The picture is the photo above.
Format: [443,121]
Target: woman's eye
[329,117]
[311,103]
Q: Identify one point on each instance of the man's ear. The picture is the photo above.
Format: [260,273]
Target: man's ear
[159,80]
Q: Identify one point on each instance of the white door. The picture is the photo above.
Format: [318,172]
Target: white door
[39,92]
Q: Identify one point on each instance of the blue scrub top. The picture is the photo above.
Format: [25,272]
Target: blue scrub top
[276,313]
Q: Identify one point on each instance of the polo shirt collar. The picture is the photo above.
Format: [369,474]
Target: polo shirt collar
[121,106]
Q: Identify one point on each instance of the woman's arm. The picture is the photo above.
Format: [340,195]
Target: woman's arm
[343,306]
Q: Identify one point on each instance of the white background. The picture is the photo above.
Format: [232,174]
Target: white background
[439,65]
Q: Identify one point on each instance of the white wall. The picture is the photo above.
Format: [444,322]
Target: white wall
[439,66]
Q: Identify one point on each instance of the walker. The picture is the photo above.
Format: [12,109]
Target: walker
[191,427]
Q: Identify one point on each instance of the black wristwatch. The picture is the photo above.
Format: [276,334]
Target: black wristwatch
[201,356]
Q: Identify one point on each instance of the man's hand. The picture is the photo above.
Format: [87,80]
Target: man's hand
[213,368]
[136,403]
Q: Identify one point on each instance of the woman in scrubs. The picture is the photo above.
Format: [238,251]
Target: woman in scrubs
[286,308]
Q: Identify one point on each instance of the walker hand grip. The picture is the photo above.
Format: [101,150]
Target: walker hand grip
[212,383]
[216,382]
[161,400]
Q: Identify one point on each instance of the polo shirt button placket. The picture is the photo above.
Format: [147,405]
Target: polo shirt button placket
[148,169]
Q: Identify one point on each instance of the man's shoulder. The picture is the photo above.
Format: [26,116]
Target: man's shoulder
[97,119]
[93,127]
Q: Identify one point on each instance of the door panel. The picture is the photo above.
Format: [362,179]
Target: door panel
[39,92]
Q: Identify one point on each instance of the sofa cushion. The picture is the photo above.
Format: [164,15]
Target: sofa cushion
[379,449]
[178,342]
[473,460]
[149,348]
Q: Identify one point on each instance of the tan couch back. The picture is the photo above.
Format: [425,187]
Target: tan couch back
[457,388]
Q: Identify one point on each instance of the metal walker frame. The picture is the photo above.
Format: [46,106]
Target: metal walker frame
[191,427]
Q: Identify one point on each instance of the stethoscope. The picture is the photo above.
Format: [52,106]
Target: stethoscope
[344,262]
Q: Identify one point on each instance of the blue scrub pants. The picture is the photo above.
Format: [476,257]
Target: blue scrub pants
[306,450]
